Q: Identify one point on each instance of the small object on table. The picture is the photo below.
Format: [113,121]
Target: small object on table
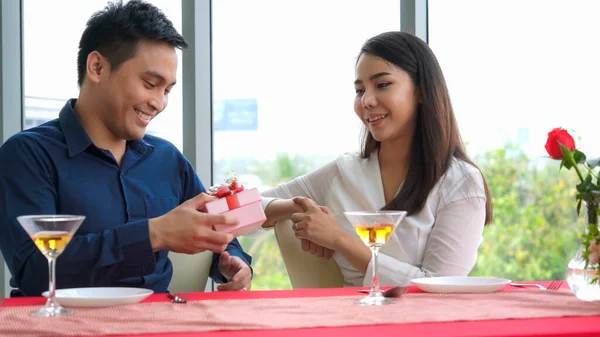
[554,285]
[541,287]
[394,292]
[176,299]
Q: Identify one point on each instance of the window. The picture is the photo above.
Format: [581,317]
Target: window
[515,70]
[283,94]
[50,44]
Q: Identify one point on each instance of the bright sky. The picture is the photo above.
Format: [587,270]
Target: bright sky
[515,68]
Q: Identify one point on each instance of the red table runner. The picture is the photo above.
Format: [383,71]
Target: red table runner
[385,315]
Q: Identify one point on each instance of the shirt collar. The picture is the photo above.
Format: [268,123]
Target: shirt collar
[75,135]
[140,146]
[77,138]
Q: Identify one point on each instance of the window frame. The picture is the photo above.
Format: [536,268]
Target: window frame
[197,81]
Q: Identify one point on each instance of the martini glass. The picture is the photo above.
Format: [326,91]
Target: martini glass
[375,228]
[51,235]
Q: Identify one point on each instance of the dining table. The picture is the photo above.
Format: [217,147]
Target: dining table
[325,312]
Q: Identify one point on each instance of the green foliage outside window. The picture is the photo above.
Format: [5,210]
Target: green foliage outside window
[533,235]
[535,229]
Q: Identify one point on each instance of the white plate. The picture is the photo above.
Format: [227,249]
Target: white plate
[460,284]
[99,297]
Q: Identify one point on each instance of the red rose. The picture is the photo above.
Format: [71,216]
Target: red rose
[555,138]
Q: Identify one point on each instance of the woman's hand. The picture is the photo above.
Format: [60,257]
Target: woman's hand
[278,210]
[317,225]
[315,249]
[282,209]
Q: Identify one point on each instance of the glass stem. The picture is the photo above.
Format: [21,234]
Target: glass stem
[51,302]
[375,287]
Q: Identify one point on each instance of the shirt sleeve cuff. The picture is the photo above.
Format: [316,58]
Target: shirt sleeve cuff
[266,201]
[234,249]
[138,257]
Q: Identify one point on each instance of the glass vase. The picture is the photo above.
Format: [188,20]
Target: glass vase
[578,275]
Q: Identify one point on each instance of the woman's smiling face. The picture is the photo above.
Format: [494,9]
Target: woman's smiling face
[386,99]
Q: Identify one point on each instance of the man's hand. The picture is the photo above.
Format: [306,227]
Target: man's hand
[186,230]
[236,271]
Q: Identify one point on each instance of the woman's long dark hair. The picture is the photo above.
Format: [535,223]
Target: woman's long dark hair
[437,139]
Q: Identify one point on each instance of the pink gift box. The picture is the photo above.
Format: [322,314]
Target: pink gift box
[243,198]
[250,216]
[248,210]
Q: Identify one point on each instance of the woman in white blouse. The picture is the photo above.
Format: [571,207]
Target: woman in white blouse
[412,159]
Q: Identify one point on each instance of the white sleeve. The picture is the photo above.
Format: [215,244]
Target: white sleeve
[314,185]
[451,248]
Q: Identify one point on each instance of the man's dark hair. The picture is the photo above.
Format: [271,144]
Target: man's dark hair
[116,31]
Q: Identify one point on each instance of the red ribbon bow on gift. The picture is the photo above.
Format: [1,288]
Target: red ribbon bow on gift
[228,191]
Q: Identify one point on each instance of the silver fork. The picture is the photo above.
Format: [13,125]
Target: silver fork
[528,285]
[176,298]
[555,285]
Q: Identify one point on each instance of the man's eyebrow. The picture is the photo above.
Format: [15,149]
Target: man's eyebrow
[374,76]
[158,76]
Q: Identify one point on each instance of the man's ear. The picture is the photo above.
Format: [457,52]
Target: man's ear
[97,66]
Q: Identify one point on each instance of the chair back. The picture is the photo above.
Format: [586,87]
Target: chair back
[304,269]
[190,272]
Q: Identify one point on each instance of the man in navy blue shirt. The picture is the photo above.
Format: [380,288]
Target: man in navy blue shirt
[140,196]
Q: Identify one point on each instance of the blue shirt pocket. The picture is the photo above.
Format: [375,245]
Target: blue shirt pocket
[156,207]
